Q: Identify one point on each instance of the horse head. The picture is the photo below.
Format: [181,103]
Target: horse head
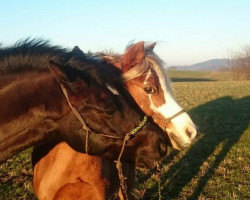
[108,115]
[148,83]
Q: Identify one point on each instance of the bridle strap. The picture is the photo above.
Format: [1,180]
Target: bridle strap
[128,136]
[168,120]
[79,117]
[174,116]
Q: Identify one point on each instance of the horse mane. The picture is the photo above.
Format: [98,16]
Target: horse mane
[34,54]
[24,53]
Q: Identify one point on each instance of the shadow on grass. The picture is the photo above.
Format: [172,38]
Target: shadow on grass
[173,79]
[222,122]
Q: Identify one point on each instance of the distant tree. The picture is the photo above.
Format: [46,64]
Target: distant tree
[240,64]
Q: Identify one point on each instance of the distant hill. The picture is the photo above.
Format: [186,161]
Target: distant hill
[209,65]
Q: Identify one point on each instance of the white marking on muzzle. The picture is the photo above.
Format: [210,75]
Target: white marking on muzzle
[183,130]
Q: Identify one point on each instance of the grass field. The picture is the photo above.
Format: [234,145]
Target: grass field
[193,76]
[216,166]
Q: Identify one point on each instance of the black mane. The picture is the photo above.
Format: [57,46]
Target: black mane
[35,54]
[29,54]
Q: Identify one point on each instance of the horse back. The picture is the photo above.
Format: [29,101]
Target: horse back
[54,177]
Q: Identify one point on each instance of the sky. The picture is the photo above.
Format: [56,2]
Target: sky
[186,31]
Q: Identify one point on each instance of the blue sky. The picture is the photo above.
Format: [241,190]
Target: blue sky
[187,32]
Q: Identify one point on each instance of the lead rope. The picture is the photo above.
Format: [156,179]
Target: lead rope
[129,135]
[132,133]
[84,125]
[158,175]
[123,185]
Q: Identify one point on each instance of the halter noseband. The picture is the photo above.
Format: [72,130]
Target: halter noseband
[168,120]
[137,71]
[127,136]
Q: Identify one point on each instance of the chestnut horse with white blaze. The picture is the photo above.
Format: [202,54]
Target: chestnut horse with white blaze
[148,83]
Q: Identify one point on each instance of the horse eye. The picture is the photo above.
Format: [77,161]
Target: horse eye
[111,110]
[149,90]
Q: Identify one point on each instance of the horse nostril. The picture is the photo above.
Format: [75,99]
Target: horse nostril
[163,148]
[189,133]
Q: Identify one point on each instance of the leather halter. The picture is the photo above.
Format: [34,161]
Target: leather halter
[130,74]
[168,120]
[127,136]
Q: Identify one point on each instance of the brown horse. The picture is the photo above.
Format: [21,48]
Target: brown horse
[34,110]
[147,81]
[55,175]
[67,174]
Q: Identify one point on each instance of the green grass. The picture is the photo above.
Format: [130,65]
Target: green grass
[16,177]
[216,166]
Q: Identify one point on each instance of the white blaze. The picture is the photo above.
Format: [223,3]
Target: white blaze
[182,123]
[147,77]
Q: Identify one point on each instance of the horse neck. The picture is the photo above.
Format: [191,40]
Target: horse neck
[31,103]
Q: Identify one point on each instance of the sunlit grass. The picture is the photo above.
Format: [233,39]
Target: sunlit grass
[16,178]
[216,166]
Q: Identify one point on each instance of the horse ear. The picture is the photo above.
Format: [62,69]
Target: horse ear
[76,51]
[67,76]
[133,56]
[151,46]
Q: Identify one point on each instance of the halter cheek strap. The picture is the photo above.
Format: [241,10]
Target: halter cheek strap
[128,136]
[77,114]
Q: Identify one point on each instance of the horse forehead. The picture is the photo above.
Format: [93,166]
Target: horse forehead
[156,76]
[151,76]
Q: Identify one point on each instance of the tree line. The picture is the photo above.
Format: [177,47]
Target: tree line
[239,65]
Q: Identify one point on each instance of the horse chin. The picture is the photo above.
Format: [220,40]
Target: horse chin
[145,163]
[177,145]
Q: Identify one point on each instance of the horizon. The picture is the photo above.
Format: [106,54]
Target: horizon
[186,32]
